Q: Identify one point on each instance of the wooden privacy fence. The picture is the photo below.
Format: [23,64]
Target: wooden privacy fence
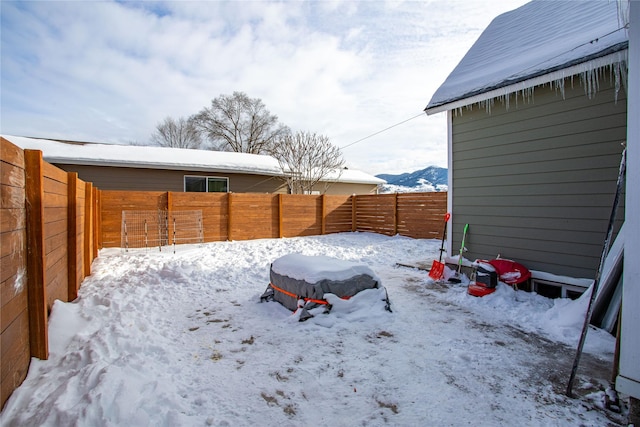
[417,215]
[53,223]
[244,216]
[48,243]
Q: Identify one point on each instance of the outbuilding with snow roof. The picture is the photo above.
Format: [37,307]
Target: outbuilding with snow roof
[148,168]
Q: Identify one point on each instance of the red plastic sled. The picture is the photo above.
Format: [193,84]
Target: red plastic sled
[479,291]
[510,272]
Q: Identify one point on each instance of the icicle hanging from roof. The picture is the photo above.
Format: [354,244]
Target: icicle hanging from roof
[590,73]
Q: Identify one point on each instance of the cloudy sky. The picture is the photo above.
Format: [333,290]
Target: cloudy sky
[111,71]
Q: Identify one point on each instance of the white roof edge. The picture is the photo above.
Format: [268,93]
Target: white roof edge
[592,64]
[143,165]
[352,176]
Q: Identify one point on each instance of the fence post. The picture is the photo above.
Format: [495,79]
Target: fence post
[72,238]
[280,216]
[97,225]
[395,215]
[169,210]
[88,228]
[323,219]
[169,203]
[229,216]
[354,219]
[94,220]
[37,291]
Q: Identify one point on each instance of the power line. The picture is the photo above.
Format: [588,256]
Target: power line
[383,130]
[590,42]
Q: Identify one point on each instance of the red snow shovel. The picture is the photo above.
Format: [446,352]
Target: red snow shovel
[437,268]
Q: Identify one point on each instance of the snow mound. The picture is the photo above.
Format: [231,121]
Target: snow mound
[162,339]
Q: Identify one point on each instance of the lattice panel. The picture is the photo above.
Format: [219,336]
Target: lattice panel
[185,227]
[158,228]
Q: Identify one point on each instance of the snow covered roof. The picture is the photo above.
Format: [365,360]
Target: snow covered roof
[538,43]
[353,176]
[149,157]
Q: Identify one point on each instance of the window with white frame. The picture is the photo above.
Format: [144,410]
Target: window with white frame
[206,184]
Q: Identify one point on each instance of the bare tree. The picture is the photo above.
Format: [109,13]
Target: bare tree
[180,133]
[239,123]
[306,159]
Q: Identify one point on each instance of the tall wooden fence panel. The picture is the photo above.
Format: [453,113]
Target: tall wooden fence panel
[376,213]
[47,249]
[215,211]
[301,215]
[337,213]
[56,221]
[77,240]
[421,215]
[112,204]
[253,216]
[15,352]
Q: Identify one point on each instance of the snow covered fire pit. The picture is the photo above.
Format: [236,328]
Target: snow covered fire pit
[301,282]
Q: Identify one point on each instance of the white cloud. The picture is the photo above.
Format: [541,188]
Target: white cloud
[107,71]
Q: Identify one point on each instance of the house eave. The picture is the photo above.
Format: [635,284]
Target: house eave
[532,81]
[199,168]
[159,166]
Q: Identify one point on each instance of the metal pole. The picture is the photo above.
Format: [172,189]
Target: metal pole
[596,281]
[160,221]
[126,238]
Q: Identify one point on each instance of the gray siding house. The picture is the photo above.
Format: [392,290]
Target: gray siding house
[537,115]
[537,111]
[126,167]
[536,182]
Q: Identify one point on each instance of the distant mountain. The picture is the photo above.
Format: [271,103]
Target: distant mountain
[432,178]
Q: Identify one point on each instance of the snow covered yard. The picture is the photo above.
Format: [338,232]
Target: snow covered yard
[165,339]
